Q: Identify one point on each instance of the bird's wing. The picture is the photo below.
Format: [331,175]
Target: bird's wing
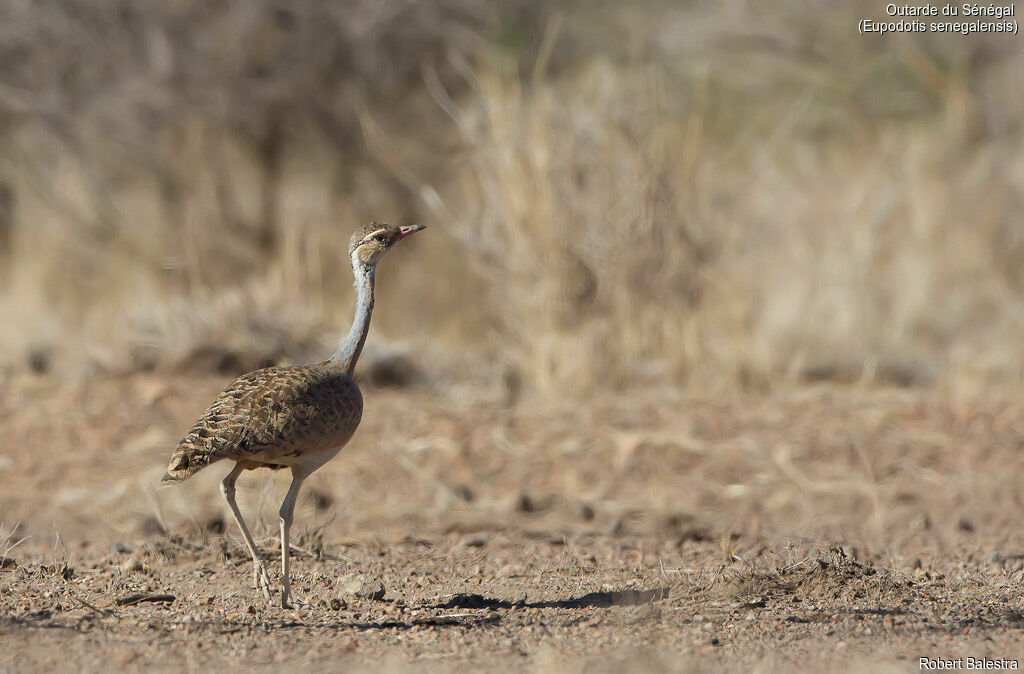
[269,414]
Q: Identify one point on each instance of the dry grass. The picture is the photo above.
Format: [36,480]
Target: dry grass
[630,234]
[719,198]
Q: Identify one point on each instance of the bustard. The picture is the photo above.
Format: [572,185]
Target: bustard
[294,417]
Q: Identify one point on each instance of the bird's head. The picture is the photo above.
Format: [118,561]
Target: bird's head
[369,243]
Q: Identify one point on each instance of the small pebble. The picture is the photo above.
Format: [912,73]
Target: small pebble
[361,586]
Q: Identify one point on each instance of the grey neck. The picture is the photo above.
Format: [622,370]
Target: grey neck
[348,353]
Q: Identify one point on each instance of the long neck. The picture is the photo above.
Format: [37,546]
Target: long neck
[348,353]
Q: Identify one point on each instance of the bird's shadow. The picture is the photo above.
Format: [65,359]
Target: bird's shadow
[589,600]
[474,601]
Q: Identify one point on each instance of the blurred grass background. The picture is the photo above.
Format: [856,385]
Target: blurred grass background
[717,196]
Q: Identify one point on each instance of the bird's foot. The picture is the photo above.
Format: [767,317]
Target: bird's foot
[261,579]
[288,600]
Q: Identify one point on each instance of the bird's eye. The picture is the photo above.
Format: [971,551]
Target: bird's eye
[380,238]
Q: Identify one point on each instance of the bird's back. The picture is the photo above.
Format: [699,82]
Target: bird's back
[276,417]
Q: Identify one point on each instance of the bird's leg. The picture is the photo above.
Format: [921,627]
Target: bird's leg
[287,509]
[260,579]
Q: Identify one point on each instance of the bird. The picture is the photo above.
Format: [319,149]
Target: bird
[296,417]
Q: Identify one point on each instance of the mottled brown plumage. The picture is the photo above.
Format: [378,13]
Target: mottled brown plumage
[294,417]
[275,418]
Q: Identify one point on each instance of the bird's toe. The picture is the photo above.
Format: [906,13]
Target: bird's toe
[291,601]
[261,580]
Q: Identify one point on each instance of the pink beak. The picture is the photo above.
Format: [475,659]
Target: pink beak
[406,230]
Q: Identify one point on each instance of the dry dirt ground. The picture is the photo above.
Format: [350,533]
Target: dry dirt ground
[846,528]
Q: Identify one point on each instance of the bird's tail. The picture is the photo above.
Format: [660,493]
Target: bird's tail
[184,463]
[171,478]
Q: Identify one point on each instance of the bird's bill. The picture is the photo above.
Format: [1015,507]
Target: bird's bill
[407,230]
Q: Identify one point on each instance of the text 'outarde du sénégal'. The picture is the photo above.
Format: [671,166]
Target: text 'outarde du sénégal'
[966,9]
